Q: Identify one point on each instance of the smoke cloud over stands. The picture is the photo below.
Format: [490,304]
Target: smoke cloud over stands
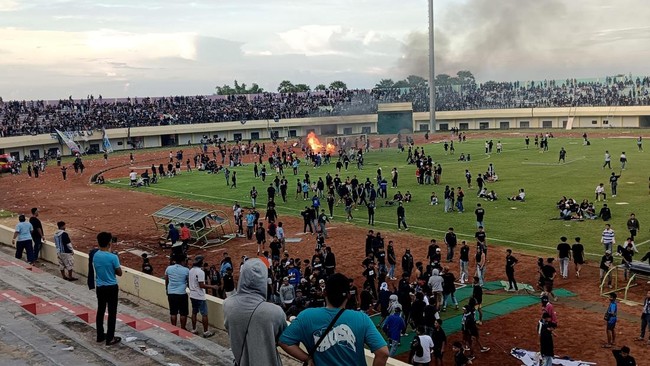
[504,40]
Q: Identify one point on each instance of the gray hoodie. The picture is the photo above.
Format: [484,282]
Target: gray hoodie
[266,325]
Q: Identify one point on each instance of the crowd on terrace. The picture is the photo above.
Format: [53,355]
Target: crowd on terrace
[38,117]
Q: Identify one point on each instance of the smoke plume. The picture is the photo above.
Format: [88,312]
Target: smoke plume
[477,35]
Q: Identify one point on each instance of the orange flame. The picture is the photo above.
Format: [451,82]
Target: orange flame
[317,146]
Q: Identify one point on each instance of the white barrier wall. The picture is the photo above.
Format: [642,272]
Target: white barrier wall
[144,286]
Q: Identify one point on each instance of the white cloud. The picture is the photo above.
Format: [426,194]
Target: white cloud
[9,5]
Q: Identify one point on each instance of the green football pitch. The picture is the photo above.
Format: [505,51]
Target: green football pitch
[525,226]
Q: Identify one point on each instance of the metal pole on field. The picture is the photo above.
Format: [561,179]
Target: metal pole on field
[432,87]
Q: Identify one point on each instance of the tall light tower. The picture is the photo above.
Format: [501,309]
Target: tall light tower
[432,73]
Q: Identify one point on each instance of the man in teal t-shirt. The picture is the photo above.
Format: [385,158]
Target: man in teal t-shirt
[344,344]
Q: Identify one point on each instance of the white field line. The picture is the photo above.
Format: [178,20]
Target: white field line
[391,224]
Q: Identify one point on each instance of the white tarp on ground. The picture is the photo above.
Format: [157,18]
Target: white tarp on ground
[530,358]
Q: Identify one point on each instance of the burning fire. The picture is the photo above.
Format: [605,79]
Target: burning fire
[316,146]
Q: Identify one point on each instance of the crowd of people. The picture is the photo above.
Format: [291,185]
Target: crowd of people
[83,116]
[406,292]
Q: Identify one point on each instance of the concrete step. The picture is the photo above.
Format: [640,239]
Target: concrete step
[43,316]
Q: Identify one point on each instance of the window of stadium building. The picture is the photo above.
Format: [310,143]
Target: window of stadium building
[548,124]
[463,126]
[442,127]
[484,125]
[524,124]
[504,125]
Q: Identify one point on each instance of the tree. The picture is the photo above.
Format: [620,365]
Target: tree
[320,87]
[443,80]
[385,84]
[465,77]
[401,84]
[238,89]
[338,85]
[255,89]
[415,81]
[300,88]
[285,87]
[225,90]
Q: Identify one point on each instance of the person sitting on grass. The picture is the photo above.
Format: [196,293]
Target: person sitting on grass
[492,196]
[434,199]
[483,193]
[407,196]
[521,196]
[100,179]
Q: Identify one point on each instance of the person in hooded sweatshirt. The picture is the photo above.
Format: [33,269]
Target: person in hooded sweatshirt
[255,344]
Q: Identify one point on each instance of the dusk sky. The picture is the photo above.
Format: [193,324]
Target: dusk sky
[51,49]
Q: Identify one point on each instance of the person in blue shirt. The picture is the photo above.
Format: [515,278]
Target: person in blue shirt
[344,344]
[23,239]
[106,266]
[176,281]
[394,325]
[610,320]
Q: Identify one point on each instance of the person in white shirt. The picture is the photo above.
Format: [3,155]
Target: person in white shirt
[427,348]
[133,176]
[197,287]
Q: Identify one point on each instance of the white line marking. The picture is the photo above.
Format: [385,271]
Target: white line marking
[645,242]
[546,248]
[554,164]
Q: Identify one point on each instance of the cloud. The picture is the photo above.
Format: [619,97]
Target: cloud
[9,5]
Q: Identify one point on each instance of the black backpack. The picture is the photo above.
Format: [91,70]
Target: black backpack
[416,346]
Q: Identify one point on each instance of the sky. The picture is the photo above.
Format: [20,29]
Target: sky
[52,49]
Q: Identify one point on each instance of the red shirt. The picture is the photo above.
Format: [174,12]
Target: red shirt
[185,233]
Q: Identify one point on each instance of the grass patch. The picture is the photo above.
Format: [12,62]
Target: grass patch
[524,226]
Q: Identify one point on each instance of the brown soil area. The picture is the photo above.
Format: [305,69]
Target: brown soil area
[88,209]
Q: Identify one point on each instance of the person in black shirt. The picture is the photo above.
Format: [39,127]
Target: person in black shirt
[371,279]
[407,262]
[417,310]
[510,270]
[464,262]
[459,355]
[381,260]
[578,251]
[549,276]
[37,233]
[392,260]
[401,217]
[545,330]
[439,342]
[451,241]
[605,213]
[477,299]
[371,213]
[564,254]
[353,301]
[431,251]
[481,238]
[306,219]
[622,357]
[626,258]
[370,237]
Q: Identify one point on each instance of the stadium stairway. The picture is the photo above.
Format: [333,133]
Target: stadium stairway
[46,320]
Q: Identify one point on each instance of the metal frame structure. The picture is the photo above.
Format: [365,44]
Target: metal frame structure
[207,228]
[635,271]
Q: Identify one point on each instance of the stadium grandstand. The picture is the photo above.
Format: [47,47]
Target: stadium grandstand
[41,117]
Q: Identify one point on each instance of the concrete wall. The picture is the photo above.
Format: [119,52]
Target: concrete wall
[144,286]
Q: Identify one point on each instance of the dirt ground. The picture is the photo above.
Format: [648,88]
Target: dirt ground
[88,209]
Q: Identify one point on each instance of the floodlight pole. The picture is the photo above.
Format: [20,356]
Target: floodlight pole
[432,87]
